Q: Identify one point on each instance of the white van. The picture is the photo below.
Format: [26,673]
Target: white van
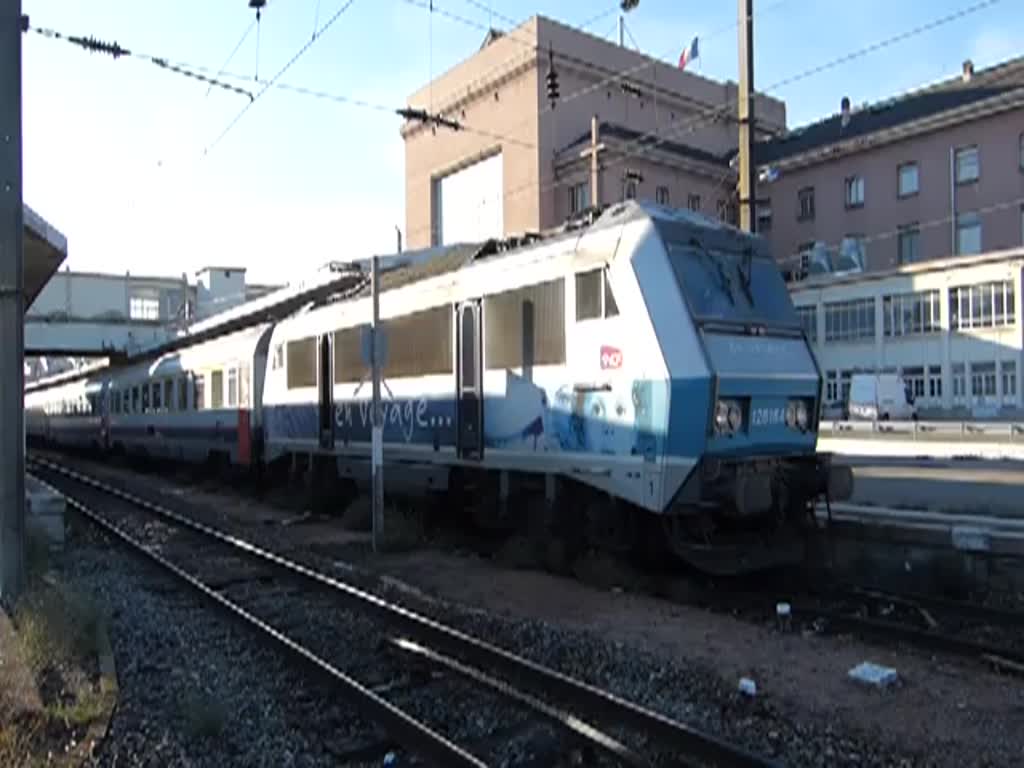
[880,397]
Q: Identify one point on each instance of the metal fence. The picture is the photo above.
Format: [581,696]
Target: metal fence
[976,431]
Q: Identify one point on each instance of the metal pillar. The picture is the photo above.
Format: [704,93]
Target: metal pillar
[12,310]
[748,173]
[377,446]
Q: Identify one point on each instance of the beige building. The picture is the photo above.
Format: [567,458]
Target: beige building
[935,173]
[516,167]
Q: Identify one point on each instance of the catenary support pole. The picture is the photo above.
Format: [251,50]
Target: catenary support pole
[377,447]
[748,173]
[12,310]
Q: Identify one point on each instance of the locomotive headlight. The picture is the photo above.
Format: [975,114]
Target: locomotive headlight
[791,415]
[735,416]
[802,416]
[721,416]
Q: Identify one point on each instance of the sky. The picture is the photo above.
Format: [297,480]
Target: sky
[124,158]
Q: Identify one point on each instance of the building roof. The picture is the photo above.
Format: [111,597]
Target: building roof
[947,95]
[647,140]
[44,250]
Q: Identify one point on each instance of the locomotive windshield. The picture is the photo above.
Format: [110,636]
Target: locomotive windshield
[732,287]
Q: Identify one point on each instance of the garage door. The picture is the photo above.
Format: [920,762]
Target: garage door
[468,203]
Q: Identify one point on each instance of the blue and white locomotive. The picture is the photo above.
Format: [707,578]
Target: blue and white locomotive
[647,371]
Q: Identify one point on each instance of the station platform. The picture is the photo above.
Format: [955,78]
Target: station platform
[45,510]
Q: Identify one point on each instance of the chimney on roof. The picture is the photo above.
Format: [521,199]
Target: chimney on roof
[968,70]
[844,110]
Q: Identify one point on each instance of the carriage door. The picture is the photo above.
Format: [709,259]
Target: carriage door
[326,394]
[469,382]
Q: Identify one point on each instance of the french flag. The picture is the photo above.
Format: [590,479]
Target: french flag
[689,54]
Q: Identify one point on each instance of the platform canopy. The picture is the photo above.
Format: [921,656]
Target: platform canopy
[45,249]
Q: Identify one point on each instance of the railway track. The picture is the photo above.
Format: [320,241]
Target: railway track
[971,630]
[412,659]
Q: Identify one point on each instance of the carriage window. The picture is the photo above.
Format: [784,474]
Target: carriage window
[182,393]
[199,392]
[525,326]
[301,363]
[135,399]
[217,389]
[169,395]
[232,387]
[157,386]
[145,399]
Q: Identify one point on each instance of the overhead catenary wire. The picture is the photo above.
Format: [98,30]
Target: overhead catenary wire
[238,45]
[288,65]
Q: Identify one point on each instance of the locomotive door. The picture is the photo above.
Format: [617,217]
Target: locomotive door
[469,402]
[325,419]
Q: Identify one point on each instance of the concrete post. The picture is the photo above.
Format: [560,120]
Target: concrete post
[12,310]
[748,173]
[377,441]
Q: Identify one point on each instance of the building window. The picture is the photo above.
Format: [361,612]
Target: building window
[913,378]
[1009,372]
[935,382]
[853,252]
[630,191]
[145,398]
[908,181]
[959,380]
[968,234]
[904,314]
[661,195]
[693,202]
[199,392]
[277,361]
[831,387]
[988,305]
[854,191]
[579,197]
[144,308]
[805,198]
[594,298]
[169,403]
[728,212]
[764,219]
[909,244]
[232,387]
[157,388]
[809,320]
[845,378]
[968,166]
[850,320]
[182,393]
[983,379]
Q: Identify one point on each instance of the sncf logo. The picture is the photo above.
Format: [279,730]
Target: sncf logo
[610,358]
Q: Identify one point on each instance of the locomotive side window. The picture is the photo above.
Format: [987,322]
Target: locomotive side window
[594,298]
[348,356]
[302,363]
[217,389]
[419,344]
[525,326]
